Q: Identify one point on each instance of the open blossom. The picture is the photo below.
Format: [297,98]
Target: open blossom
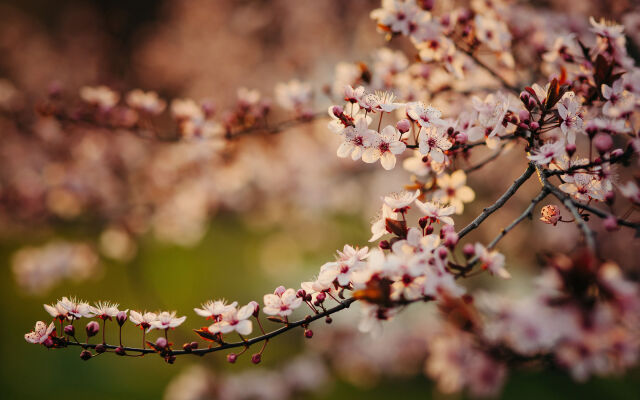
[214,309]
[104,310]
[491,113]
[433,141]
[294,95]
[397,15]
[570,117]
[453,190]
[282,302]
[492,32]
[384,147]
[379,226]
[143,320]
[40,333]
[349,260]
[436,212]
[547,152]
[550,214]
[584,187]
[235,320]
[355,139]
[383,101]
[425,115]
[166,320]
[100,96]
[631,191]
[57,311]
[619,101]
[76,308]
[492,261]
[400,200]
[353,95]
[146,101]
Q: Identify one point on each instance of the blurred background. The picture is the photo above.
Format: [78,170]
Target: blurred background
[234,231]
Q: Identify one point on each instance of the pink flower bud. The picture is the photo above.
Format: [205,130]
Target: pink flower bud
[468,250]
[85,355]
[256,308]
[92,328]
[321,297]
[101,348]
[279,290]
[610,197]
[423,222]
[161,342]
[120,351]
[384,245]
[462,137]
[328,320]
[301,293]
[611,223]
[70,330]
[256,358]
[570,148]
[121,318]
[442,253]
[308,333]
[232,357]
[451,240]
[171,359]
[48,343]
[403,125]
[429,230]
[337,111]
[603,142]
[194,345]
[524,116]
[534,125]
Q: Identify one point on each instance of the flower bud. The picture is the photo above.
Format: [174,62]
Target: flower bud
[194,345]
[308,297]
[423,222]
[602,142]
[70,330]
[101,348]
[591,130]
[48,343]
[121,317]
[429,230]
[610,197]
[161,342]
[301,293]
[308,333]
[186,347]
[534,126]
[532,103]
[321,297]
[611,223]
[524,116]
[232,357]
[92,328]
[328,320]
[120,351]
[279,290]
[337,111]
[570,148]
[256,308]
[403,125]
[468,250]
[171,359]
[384,245]
[524,97]
[85,355]
[450,240]
[442,253]
[256,358]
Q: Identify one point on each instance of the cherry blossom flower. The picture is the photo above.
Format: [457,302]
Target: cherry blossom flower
[100,96]
[547,153]
[379,226]
[353,95]
[436,212]
[425,115]
[281,303]
[214,309]
[550,214]
[397,15]
[356,138]
[294,96]
[235,320]
[570,117]
[384,102]
[491,261]
[143,320]
[433,141]
[619,101]
[453,190]
[400,200]
[76,308]
[104,310]
[57,311]
[492,32]
[384,147]
[166,320]
[631,191]
[491,113]
[146,101]
[40,333]
[584,187]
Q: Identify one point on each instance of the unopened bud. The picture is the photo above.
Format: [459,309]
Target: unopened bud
[101,348]
[120,351]
[48,343]
[256,308]
[279,290]
[121,318]
[337,111]
[384,245]
[403,125]
[232,357]
[524,116]
[602,142]
[161,342]
[442,252]
[468,250]
[462,137]
[429,230]
[70,330]
[85,355]
[256,358]
[321,297]
[301,293]
[534,126]
[171,359]
[610,197]
[423,222]
[611,223]
[570,148]
[92,328]
[194,345]
[328,320]
[308,333]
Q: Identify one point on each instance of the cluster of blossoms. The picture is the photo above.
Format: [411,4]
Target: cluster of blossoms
[582,313]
